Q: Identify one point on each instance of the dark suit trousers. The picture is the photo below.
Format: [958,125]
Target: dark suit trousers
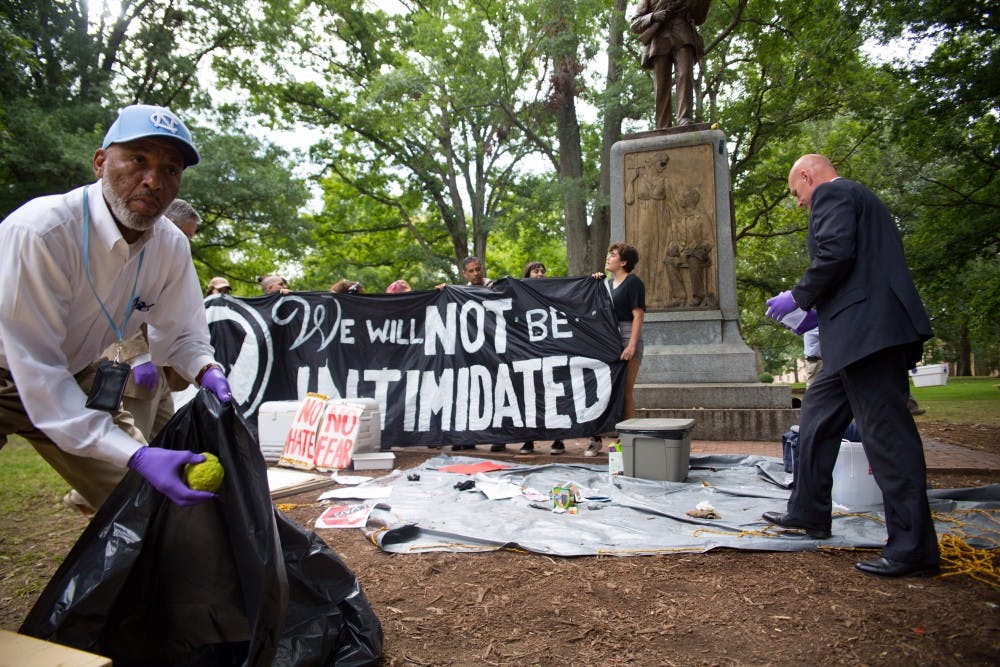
[873,391]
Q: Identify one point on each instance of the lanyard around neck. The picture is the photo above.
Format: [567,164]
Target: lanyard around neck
[120,333]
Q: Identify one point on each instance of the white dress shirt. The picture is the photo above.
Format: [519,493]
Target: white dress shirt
[810,343]
[52,325]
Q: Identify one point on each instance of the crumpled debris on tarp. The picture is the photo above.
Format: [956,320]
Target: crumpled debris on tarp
[642,516]
[229,582]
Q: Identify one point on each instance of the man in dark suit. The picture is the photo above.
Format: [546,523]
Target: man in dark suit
[872,327]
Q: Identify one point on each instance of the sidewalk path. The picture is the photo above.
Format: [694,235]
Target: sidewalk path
[939,455]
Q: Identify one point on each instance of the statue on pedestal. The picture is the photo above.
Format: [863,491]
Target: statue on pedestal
[670,41]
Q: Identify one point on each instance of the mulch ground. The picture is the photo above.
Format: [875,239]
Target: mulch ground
[718,608]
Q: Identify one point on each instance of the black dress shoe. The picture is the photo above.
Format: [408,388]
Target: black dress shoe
[893,568]
[785,521]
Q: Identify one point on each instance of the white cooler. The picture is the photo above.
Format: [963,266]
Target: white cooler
[929,376]
[274,418]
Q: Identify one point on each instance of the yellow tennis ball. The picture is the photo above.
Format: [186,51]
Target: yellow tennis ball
[204,476]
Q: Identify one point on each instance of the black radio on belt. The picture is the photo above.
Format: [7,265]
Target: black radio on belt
[109,386]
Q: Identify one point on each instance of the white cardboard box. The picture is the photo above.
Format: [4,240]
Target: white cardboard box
[374,461]
[929,376]
[22,651]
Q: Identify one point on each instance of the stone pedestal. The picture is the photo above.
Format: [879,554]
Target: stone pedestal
[670,198]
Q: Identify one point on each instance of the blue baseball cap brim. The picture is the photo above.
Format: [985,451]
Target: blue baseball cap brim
[145,120]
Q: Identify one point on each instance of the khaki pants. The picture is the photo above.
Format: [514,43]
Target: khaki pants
[632,370]
[92,478]
[151,414]
[810,369]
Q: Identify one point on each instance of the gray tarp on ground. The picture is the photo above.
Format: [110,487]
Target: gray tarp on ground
[643,517]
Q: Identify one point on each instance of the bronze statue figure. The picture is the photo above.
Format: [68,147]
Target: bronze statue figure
[668,32]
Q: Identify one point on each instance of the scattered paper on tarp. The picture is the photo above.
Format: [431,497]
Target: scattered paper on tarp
[496,489]
[345,516]
[474,468]
[361,492]
[642,517]
[284,482]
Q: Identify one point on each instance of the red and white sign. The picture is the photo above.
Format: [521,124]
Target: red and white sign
[345,516]
[322,435]
[338,430]
[300,444]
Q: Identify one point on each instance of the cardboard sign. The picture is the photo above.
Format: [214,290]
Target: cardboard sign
[345,516]
[300,444]
[338,429]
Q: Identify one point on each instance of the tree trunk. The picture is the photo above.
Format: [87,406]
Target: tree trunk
[964,352]
[574,192]
[600,228]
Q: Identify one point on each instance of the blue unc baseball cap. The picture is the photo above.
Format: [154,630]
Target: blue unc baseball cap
[145,120]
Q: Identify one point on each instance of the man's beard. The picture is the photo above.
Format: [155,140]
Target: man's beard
[123,214]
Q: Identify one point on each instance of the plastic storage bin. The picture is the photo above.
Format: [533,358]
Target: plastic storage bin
[656,448]
[853,483]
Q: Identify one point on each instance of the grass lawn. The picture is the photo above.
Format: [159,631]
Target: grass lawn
[964,400]
[26,478]
[34,523]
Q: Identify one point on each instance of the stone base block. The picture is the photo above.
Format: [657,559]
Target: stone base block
[712,395]
[722,411]
[730,423]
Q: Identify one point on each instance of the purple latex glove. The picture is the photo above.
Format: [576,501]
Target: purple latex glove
[808,323]
[780,305]
[162,469]
[146,375]
[215,380]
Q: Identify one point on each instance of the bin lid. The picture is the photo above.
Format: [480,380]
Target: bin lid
[654,425]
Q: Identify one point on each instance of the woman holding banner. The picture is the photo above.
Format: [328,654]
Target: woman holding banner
[628,298]
[538,270]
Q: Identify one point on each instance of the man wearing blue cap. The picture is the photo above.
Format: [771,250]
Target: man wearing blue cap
[86,269]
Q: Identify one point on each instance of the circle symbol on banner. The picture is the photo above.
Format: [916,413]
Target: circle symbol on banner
[243,345]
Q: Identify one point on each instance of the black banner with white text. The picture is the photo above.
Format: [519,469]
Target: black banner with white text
[523,360]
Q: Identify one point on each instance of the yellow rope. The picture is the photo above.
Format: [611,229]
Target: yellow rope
[287,507]
[862,515]
[665,550]
[958,557]
[732,533]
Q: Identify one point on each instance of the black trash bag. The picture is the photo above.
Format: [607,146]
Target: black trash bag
[230,582]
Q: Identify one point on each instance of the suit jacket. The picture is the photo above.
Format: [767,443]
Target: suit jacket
[858,280]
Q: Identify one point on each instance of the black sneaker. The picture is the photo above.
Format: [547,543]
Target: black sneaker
[498,448]
[557,448]
[527,448]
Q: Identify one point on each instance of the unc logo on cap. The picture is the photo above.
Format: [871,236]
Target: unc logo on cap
[165,121]
[146,120]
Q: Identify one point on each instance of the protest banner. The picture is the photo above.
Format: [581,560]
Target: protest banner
[525,359]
